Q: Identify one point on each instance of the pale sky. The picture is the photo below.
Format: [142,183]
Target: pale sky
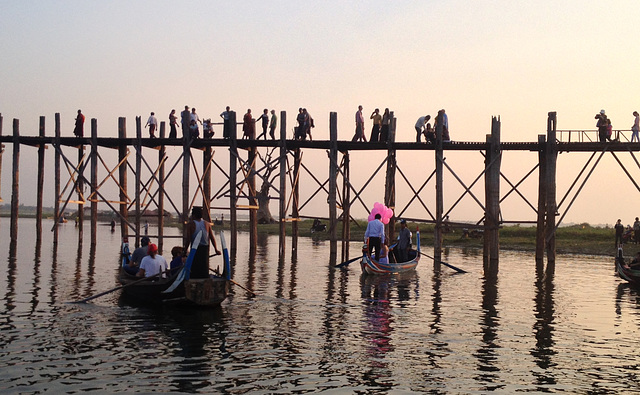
[476,59]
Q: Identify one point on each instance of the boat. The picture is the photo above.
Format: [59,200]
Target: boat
[371,266]
[178,287]
[630,275]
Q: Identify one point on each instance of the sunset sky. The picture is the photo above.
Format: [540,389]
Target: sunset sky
[518,60]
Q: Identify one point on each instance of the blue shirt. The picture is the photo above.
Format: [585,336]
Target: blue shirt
[375,228]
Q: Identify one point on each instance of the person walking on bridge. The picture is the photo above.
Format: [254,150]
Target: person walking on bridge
[635,128]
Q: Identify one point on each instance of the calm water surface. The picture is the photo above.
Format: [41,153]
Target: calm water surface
[571,329]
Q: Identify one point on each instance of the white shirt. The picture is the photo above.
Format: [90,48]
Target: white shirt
[375,228]
[153,266]
[420,123]
[195,117]
[152,120]
[636,123]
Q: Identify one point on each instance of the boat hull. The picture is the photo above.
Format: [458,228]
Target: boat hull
[370,266]
[631,276]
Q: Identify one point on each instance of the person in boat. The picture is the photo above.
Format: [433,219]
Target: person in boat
[200,265]
[374,235]
[404,242]
[635,262]
[125,254]
[384,252]
[152,264]
[177,260]
[138,254]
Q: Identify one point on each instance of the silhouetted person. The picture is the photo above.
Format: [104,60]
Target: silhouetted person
[377,125]
[226,128]
[79,129]
[152,123]
[173,124]
[359,134]
[264,119]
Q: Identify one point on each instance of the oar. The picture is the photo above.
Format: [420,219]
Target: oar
[343,264]
[445,263]
[246,289]
[85,300]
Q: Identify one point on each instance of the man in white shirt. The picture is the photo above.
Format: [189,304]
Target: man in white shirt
[152,122]
[420,126]
[375,234]
[153,263]
[635,128]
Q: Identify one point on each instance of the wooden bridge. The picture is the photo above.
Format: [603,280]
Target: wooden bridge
[281,175]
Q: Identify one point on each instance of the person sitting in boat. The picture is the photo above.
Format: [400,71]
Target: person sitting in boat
[374,235]
[200,265]
[404,242]
[141,251]
[177,260]
[635,263]
[125,255]
[152,264]
[384,253]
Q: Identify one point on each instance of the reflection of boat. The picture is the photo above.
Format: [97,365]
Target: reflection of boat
[179,288]
[630,275]
[370,266]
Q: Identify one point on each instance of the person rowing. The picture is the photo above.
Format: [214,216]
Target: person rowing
[200,266]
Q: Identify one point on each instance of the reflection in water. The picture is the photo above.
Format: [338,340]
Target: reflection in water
[543,327]
[54,275]
[75,292]
[436,300]
[487,354]
[9,297]
[36,276]
[91,270]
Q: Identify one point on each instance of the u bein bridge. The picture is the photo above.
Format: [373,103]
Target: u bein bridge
[250,160]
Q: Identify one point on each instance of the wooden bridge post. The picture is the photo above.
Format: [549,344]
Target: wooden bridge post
[282,211]
[138,177]
[233,190]
[295,200]
[390,179]
[1,151]
[346,207]
[94,181]
[186,163]
[56,181]
[492,198]
[122,176]
[40,182]
[15,185]
[333,184]
[551,159]
[206,182]
[80,190]
[161,155]
[251,183]
[437,240]
[542,199]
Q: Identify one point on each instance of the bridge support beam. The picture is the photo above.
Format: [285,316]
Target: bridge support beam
[282,209]
[390,179]
[550,161]
[333,186]
[492,198]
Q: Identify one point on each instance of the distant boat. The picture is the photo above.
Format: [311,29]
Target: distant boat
[62,220]
[630,275]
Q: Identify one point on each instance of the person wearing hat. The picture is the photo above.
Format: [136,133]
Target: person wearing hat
[602,126]
[200,265]
[152,264]
[404,242]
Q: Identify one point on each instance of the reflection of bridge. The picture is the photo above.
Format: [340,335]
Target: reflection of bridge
[284,172]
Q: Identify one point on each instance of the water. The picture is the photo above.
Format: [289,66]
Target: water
[313,328]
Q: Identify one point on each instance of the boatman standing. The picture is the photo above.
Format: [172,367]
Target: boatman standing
[404,242]
[375,235]
[200,265]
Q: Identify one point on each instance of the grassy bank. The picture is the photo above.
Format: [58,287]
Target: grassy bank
[577,239]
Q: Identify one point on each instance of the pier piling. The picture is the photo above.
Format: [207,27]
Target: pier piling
[40,182]
[94,181]
[15,184]
[56,181]
[282,207]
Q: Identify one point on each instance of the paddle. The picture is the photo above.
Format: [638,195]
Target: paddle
[85,300]
[343,264]
[233,282]
[445,263]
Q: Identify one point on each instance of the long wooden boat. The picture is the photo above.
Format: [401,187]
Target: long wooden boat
[371,266]
[630,275]
[179,288]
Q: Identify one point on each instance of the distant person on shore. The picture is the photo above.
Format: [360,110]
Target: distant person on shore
[420,123]
[200,266]
[226,128]
[635,128]
[79,129]
[173,124]
[601,124]
[308,124]
[619,232]
[248,126]
[377,125]
[185,121]
[152,123]
[359,134]
[264,117]
[273,123]
[299,133]
[374,235]
[636,231]
[386,121]
[152,264]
